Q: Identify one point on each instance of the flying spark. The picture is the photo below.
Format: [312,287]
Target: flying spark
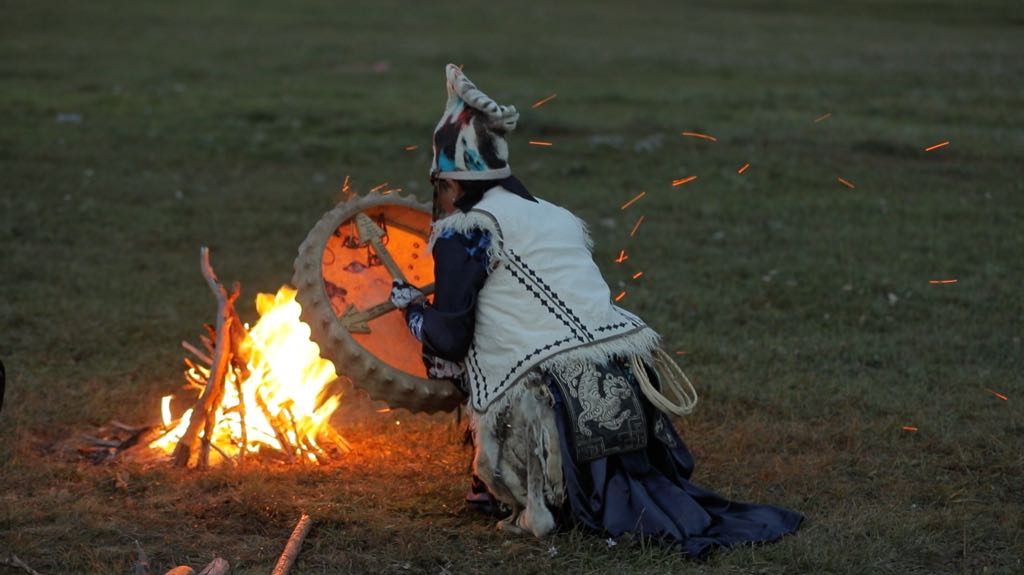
[823,117]
[909,428]
[680,352]
[344,188]
[846,183]
[620,296]
[937,146]
[410,148]
[622,257]
[942,281]
[539,143]
[384,410]
[744,168]
[635,199]
[638,275]
[681,181]
[636,226]
[699,135]
[543,101]
[997,394]
[375,188]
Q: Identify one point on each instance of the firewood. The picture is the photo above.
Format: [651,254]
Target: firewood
[216,567]
[181,570]
[13,561]
[128,428]
[282,438]
[241,414]
[205,406]
[195,351]
[102,442]
[141,565]
[222,454]
[291,549]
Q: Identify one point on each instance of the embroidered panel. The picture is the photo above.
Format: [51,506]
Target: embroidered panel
[604,409]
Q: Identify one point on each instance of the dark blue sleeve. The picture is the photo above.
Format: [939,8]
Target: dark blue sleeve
[460,269]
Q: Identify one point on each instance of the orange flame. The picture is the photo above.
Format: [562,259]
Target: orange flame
[287,379]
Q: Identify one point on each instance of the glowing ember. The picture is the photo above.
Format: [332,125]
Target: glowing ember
[910,428]
[622,257]
[744,168]
[823,117]
[635,199]
[681,181]
[280,403]
[846,183]
[540,143]
[378,187]
[345,189]
[543,101]
[638,275]
[410,148]
[636,226]
[620,296]
[942,281]
[701,136]
[997,394]
[937,146]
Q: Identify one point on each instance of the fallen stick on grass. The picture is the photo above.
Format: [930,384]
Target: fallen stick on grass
[291,549]
[216,567]
[141,565]
[13,561]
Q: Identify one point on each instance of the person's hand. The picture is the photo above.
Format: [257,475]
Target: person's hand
[403,294]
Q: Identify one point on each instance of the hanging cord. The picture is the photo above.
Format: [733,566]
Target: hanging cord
[684,399]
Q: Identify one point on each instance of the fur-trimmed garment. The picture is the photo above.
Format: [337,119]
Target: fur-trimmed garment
[571,440]
[544,302]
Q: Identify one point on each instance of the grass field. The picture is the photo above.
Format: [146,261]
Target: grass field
[132,133]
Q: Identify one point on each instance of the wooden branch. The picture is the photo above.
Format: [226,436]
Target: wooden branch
[227,459]
[336,438]
[205,406]
[216,567]
[279,433]
[141,565]
[241,414]
[13,561]
[291,549]
[195,351]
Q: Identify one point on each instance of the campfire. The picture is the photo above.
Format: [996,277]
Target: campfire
[264,391]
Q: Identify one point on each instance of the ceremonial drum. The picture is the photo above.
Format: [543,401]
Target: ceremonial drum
[343,275]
